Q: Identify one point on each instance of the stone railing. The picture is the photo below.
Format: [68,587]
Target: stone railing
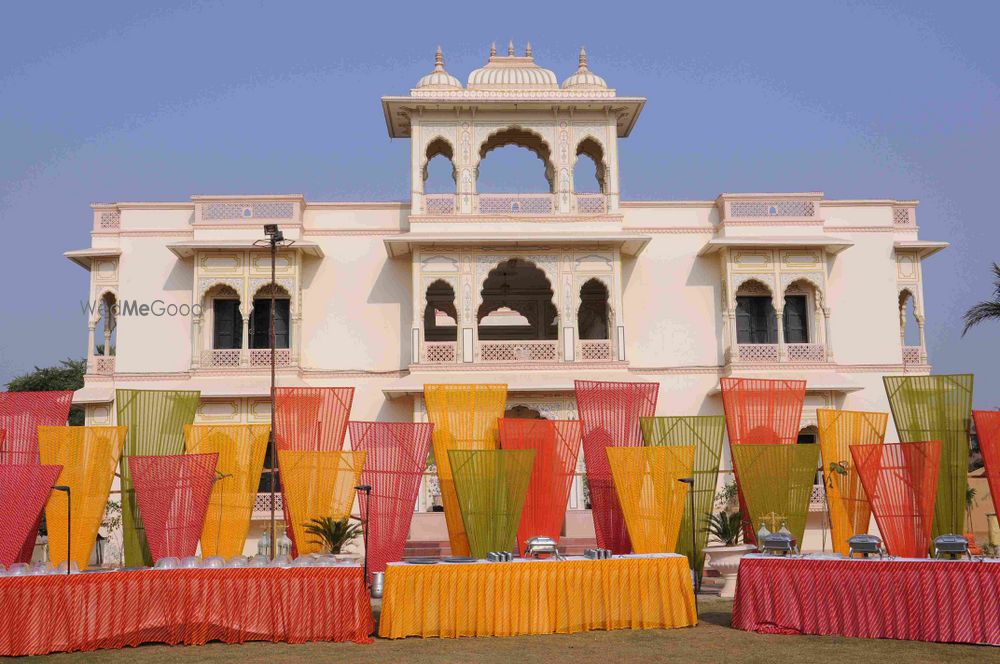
[591,203]
[103,365]
[757,352]
[911,354]
[594,350]
[439,204]
[805,352]
[771,207]
[512,204]
[518,351]
[235,358]
[261,357]
[107,218]
[817,501]
[904,216]
[515,204]
[440,352]
[262,506]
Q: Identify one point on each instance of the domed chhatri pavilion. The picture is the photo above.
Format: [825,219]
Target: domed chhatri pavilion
[533,290]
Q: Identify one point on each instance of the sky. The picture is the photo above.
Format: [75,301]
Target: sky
[127,101]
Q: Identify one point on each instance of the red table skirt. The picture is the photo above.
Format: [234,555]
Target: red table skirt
[45,614]
[943,601]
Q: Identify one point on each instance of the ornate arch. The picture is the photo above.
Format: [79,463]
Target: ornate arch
[903,294]
[765,281]
[787,281]
[101,292]
[520,136]
[553,298]
[205,285]
[487,263]
[593,147]
[257,285]
[425,285]
[439,145]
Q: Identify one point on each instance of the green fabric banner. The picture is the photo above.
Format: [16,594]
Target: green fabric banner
[938,408]
[777,483]
[155,421]
[492,486]
[706,433]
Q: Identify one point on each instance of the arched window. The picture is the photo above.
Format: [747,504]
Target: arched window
[582,181]
[439,168]
[108,325]
[798,320]
[756,322]
[909,332]
[260,318]
[515,167]
[592,317]
[227,321]
[517,304]
[440,317]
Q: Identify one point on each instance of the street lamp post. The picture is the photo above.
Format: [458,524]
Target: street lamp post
[694,551]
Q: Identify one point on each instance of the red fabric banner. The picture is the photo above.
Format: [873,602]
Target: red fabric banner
[942,601]
[172,492]
[988,432]
[762,412]
[24,489]
[82,612]
[396,456]
[21,413]
[900,480]
[609,414]
[557,448]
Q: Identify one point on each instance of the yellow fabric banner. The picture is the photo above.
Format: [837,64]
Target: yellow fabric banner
[647,481]
[88,456]
[850,513]
[316,485]
[241,450]
[539,597]
[465,418]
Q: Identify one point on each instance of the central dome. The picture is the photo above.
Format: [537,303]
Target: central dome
[512,72]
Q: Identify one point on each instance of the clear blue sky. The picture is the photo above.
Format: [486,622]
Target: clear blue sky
[123,101]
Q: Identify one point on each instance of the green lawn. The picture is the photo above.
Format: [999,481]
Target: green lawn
[710,641]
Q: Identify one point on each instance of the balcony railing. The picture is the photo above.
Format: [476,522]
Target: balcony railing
[440,352]
[235,358]
[911,354]
[741,208]
[757,352]
[439,203]
[518,351]
[806,352]
[262,506]
[771,353]
[103,365]
[513,204]
[597,350]
[591,203]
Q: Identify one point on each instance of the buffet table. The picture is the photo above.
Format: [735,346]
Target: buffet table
[58,613]
[923,600]
[537,597]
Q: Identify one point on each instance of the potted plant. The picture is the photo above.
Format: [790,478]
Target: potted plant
[725,527]
[332,534]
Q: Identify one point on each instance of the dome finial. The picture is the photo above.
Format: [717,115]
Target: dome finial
[493,50]
[510,47]
[583,58]
[527,50]
[438,60]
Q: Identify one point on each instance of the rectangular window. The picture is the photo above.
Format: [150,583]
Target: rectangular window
[796,322]
[260,322]
[227,324]
[755,320]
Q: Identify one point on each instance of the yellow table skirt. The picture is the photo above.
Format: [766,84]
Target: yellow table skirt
[538,597]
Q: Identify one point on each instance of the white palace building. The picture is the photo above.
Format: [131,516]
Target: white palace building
[531,290]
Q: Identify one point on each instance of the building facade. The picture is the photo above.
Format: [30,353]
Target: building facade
[530,290]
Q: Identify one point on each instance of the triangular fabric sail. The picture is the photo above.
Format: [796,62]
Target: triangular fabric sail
[900,480]
[850,513]
[465,418]
[651,494]
[557,448]
[155,421]
[761,411]
[610,414]
[988,432]
[938,408]
[315,485]
[777,483]
[21,413]
[491,487]
[241,450]
[172,493]
[706,432]
[24,488]
[88,456]
[395,461]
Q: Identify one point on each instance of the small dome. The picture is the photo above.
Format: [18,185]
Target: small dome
[512,72]
[584,79]
[439,79]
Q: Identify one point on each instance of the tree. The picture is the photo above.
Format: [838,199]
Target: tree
[987,309]
[67,376]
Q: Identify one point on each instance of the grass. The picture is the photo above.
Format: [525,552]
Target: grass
[711,641]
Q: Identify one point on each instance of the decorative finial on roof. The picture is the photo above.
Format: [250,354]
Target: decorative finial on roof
[583,58]
[493,50]
[510,47]
[439,60]
[527,50]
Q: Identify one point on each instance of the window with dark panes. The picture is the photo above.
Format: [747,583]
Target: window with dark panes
[796,323]
[260,321]
[756,322]
[227,325]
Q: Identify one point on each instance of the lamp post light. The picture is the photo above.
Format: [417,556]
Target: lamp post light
[694,550]
[69,523]
[275,238]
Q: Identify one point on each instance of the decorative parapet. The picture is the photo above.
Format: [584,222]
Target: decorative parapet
[107,218]
[238,210]
[904,216]
[769,208]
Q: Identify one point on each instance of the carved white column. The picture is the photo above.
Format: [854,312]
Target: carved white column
[828,339]
[923,340]
[782,351]
[195,340]
[107,340]
[733,351]
[819,326]
[245,337]
[90,347]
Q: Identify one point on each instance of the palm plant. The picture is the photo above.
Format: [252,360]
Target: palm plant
[986,310]
[725,527]
[332,534]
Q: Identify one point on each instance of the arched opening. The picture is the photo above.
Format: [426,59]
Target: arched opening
[592,150]
[107,324]
[517,304]
[909,331]
[223,305]
[592,317]
[440,317]
[798,322]
[260,318]
[756,322]
[513,168]
[522,412]
[439,174]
